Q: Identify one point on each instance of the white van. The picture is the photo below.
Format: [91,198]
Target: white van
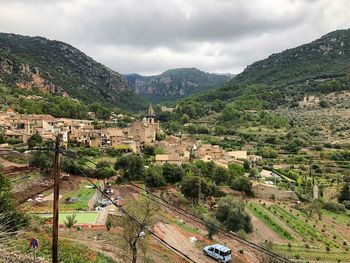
[219,252]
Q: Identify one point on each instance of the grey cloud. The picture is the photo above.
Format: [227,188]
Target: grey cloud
[150,36]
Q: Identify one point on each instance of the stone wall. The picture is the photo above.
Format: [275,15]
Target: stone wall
[267,191]
[95,198]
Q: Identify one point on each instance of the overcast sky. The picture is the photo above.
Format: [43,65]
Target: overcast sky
[151,36]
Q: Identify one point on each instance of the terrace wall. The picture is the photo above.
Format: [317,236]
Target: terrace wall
[267,191]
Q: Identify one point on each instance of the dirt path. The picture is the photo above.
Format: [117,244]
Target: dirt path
[174,237]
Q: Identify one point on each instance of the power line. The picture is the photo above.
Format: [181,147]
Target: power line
[175,250]
[198,219]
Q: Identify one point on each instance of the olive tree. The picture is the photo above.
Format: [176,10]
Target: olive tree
[134,236]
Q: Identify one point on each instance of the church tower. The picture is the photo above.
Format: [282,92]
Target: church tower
[151,116]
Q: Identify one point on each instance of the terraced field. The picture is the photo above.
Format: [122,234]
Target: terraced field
[307,238]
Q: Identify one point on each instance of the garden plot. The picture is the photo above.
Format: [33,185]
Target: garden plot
[81,217]
[74,196]
[268,219]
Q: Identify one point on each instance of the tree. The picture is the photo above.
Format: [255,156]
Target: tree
[172,173]
[154,177]
[149,150]
[35,140]
[254,173]
[43,161]
[231,213]
[2,139]
[134,235]
[131,166]
[243,184]
[104,170]
[11,219]
[344,194]
[324,104]
[212,225]
[268,152]
[246,165]
[315,207]
[190,187]
[70,221]
[236,169]
[221,176]
[100,111]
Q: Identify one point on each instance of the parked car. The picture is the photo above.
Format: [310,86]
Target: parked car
[219,252]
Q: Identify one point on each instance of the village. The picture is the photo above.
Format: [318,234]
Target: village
[139,133]
[268,199]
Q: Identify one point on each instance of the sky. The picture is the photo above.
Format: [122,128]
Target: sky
[151,36]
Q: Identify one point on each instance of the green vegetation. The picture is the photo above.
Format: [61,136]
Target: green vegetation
[79,217]
[304,229]
[260,212]
[64,68]
[11,219]
[70,252]
[231,213]
[80,198]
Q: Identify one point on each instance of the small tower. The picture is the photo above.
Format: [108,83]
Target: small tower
[151,116]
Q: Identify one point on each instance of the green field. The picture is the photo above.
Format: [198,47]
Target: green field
[81,217]
[264,215]
[82,195]
[342,218]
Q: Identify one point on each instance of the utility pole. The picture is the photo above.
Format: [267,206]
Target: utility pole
[55,200]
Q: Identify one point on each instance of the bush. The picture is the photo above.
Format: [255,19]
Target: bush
[70,221]
[113,152]
[35,140]
[346,204]
[334,206]
[243,184]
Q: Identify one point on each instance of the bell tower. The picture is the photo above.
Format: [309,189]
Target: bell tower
[151,116]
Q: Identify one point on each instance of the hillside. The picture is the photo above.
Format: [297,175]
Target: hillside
[319,67]
[324,58]
[174,84]
[56,67]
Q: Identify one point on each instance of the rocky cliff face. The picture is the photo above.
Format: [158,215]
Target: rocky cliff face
[15,72]
[54,66]
[174,84]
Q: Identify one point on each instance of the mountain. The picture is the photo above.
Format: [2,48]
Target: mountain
[59,68]
[324,58]
[174,83]
[320,67]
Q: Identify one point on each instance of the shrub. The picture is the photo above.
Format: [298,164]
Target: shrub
[70,221]
[346,204]
[334,206]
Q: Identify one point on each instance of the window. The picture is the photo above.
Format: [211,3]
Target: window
[216,251]
[222,253]
[227,253]
[211,249]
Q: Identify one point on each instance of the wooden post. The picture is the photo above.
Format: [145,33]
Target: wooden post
[55,200]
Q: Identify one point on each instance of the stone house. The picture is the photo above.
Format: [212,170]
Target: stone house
[168,158]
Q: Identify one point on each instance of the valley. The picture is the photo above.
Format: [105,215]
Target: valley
[259,163]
